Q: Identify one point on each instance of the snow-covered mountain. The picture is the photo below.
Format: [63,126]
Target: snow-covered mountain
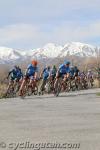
[49,51]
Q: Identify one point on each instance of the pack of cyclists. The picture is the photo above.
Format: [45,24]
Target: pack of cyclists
[49,74]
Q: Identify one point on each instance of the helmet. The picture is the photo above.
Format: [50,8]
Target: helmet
[75,67]
[34,62]
[67,62]
[18,67]
[48,67]
[15,67]
[54,67]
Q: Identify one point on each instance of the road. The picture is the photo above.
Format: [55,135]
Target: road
[72,118]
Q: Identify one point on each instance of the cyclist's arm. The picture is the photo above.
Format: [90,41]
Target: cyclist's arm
[36,75]
[9,73]
[26,71]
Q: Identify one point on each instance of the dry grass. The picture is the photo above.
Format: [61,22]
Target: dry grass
[96,83]
[3,88]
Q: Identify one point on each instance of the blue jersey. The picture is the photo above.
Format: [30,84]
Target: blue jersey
[72,72]
[46,73]
[31,70]
[19,74]
[64,69]
[13,73]
[76,71]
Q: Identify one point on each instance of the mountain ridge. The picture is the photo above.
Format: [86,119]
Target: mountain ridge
[49,51]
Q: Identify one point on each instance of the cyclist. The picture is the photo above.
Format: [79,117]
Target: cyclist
[72,72]
[76,71]
[19,74]
[14,75]
[44,75]
[89,74]
[90,77]
[76,76]
[63,72]
[31,73]
[53,72]
[82,75]
[83,79]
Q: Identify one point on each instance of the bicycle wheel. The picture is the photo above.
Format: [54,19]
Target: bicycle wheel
[10,93]
[57,89]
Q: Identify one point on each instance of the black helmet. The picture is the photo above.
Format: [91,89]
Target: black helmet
[15,66]
[48,67]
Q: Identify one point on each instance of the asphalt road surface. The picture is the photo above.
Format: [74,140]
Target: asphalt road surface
[71,121]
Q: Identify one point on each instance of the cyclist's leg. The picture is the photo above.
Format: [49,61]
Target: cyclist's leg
[15,82]
[43,85]
[58,84]
[65,81]
[23,85]
[58,75]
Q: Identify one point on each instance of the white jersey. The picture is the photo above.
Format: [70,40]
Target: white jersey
[82,75]
[89,75]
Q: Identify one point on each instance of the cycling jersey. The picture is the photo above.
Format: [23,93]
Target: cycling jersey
[15,74]
[76,71]
[72,72]
[89,75]
[82,75]
[53,72]
[46,73]
[64,69]
[31,70]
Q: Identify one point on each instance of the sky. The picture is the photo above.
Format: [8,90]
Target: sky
[28,24]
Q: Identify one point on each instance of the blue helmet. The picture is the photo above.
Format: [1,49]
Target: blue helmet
[66,62]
